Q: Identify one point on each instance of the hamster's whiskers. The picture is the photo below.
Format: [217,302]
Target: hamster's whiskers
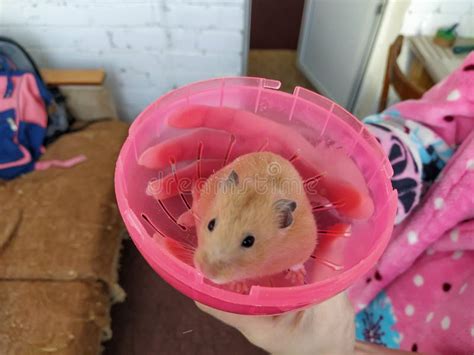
[330,264]
[181,250]
[324,207]
[196,216]
[336,230]
[328,206]
[332,233]
[189,247]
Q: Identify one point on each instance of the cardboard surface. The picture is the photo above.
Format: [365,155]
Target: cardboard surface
[48,317]
[63,224]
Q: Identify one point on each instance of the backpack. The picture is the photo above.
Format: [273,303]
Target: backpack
[60,120]
[25,102]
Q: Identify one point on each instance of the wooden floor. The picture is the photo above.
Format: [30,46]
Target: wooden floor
[279,64]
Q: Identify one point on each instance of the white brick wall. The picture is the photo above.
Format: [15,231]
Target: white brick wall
[426,16]
[147,47]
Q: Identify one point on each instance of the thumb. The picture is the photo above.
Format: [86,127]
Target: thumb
[244,323]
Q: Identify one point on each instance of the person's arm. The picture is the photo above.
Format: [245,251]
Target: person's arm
[327,328]
[362,348]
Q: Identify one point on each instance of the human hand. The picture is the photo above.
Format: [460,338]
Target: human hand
[219,134]
[326,328]
[362,348]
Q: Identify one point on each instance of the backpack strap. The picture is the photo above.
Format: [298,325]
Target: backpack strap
[25,53]
[9,88]
[5,70]
[46,164]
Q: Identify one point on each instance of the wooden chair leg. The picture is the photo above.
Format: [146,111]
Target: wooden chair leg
[385,87]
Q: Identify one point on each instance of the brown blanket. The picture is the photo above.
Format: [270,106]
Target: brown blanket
[60,225]
[49,317]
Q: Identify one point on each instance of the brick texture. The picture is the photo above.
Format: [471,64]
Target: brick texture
[147,47]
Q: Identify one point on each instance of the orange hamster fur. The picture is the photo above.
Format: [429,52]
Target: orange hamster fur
[253,219]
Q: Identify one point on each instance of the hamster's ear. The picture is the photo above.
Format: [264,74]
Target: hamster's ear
[284,209]
[229,183]
[233,179]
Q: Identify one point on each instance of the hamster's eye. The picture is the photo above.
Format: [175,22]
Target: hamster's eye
[248,241]
[211,224]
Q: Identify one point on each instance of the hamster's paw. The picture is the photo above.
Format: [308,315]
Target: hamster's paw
[296,275]
[239,287]
[186,219]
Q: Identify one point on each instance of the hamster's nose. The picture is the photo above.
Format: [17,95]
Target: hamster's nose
[210,269]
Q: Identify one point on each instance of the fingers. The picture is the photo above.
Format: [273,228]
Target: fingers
[348,200]
[227,133]
[324,328]
[242,124]
[186,147]
[186,219]
[243,323]
[206,143]
[344,183]
[203,116]
[362,348]
[238,122]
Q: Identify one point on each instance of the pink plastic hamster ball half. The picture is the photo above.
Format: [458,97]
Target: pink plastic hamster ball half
[338,262]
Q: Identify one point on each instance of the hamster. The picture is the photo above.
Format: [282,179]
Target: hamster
[253,219]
